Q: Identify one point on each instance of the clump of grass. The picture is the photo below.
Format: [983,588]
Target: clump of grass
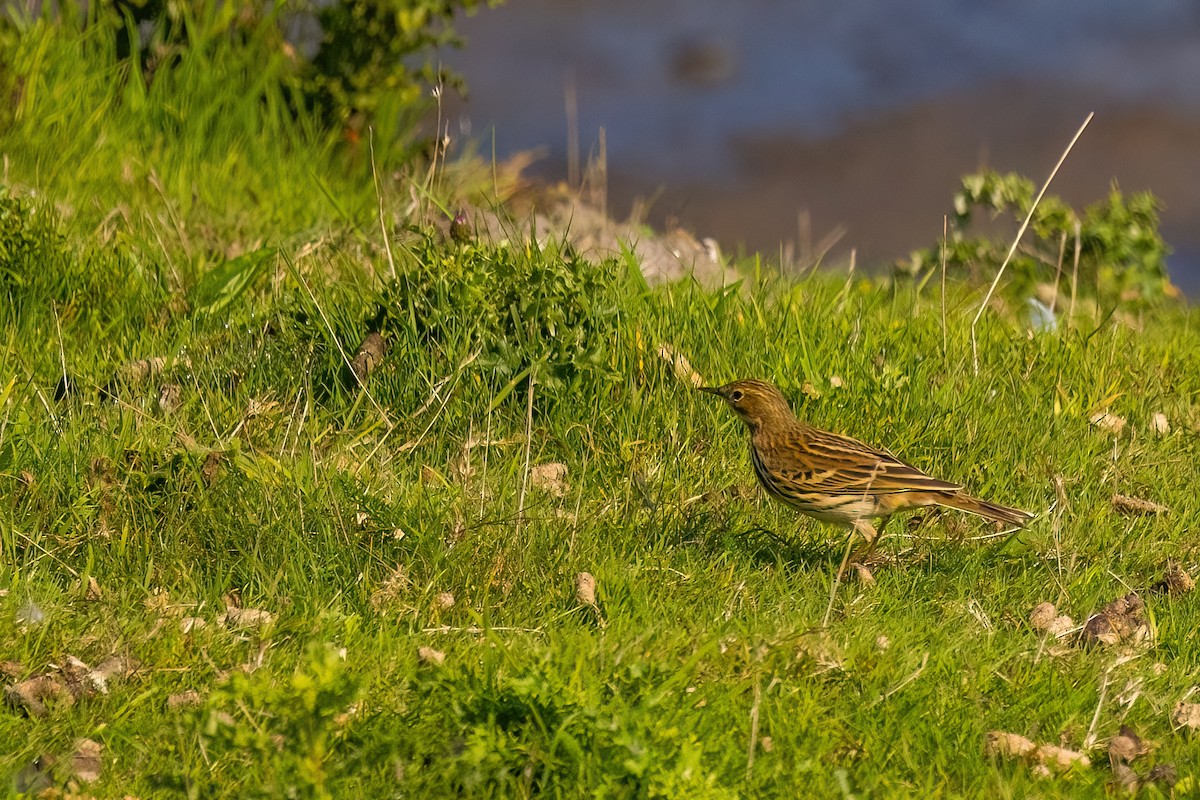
[1111,251]
[525,310]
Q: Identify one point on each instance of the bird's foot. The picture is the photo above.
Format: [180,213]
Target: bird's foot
[863,573]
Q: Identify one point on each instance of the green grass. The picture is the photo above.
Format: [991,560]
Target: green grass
[346,514]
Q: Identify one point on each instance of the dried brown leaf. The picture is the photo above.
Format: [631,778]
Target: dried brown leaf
[1159,424]
[85,761]
[1060,758]
[1007,745]
[1128,506]
[187,699]
[158,601]
[1108,422]
[585,589]
[1048,756]
[550,478]
[430,656]
[1164,773]
[394,586]
[1186,715]
[1124,779]
[170,398]
[680,366]
[211,467]
[431,477]
[241,618]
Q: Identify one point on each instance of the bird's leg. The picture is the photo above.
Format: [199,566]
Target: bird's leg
[870,539]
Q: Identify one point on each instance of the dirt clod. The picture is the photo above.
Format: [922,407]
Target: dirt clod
[1046,619]
[32,695]
[368,356]
[1123,621]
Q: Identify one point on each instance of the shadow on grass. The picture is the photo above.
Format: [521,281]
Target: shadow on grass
[821,548]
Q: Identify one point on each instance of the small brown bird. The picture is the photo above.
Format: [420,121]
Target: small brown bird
[835,478]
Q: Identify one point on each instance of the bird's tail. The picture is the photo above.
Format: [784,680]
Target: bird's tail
[982,508]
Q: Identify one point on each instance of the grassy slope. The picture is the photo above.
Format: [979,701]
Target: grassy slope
[708,608]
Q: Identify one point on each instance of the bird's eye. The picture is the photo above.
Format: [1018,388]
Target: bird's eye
[736,395]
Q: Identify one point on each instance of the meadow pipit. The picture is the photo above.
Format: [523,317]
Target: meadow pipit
[835,478]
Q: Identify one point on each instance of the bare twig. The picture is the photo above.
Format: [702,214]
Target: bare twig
[528,445]
[945,237]
[753,728]
[1074,274]
[1062,252]
[845,293]
[1089,741]
[571,101]
[1017,240]
[387,246]
[62,352]
[912,677]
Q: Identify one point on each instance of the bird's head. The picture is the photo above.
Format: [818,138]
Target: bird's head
[756,402]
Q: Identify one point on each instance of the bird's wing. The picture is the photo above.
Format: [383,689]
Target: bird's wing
[842,465]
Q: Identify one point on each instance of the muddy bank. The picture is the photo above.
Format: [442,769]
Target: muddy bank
[887,181]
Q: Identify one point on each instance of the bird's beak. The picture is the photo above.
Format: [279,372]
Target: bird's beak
[710,390]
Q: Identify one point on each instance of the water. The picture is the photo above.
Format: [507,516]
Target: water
[863,114]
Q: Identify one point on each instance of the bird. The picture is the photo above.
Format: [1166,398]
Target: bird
[835,478]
